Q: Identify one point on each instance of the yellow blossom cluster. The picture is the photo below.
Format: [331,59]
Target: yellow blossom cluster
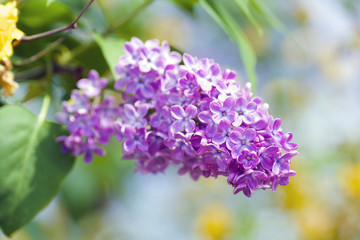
[8,33]
[7,82]
[8,30]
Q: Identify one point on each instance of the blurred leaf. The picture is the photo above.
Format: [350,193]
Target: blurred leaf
[186,4]
[104,175]
[221,15]
[89,56]
[48,2]
[267,14]
[54,13]
[35,89]
[32,166]
[112,48]
[244,6]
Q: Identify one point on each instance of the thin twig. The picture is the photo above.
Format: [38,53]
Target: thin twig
[71,26]
[41,53]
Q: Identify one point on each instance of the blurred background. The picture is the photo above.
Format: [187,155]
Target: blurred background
[308,70]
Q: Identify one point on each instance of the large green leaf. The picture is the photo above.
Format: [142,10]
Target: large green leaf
[112,48]
[32,166]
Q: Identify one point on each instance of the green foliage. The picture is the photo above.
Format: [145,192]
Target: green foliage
[222,16]
[256,11]
[188,5]
[96,181]
[51,14]
[112,47]
[32,166]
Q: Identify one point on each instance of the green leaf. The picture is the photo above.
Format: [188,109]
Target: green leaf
[267,14]
[112,48]
[188,5]
[244,6]
[106,174]
[32,166]
[35,89]
[53,13]
[48,2]
[221,15]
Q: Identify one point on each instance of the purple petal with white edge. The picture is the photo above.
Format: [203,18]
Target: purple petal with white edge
[129,111]
[129,132]
[211,130]
[215,69]
[231,116]
[189,126]
[143,146]
[282,164]
[147,90]
[142,110]
[177,112]
[129,145]
[235,137]
[277,124]
[131,87]
[191,77]
[188,59]
[229,103]
[184,83]
[241,102]
[229,74]
[224,125]
[215,107]
[190,111]
[259,125]
[250,134]
[120,83]
[251,106]
[177,126]
[205,117]
[219,138]
[252,182]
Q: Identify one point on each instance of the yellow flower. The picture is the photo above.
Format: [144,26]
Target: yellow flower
[214,222]
[7,78]
[349,179]
[8,30]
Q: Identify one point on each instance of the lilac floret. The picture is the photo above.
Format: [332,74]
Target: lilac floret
[92,85]
[183,118]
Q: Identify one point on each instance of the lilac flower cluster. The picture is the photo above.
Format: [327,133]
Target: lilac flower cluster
[89,120]
[193,115]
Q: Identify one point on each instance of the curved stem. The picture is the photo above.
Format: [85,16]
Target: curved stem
[71,26]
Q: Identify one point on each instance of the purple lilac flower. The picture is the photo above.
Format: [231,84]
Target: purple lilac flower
[244,112]
[92,85]
[135,139]
[189,84]
[242,140]
[183,118]
[193,115]
[223,110]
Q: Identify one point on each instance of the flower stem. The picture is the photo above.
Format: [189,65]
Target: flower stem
[69,27]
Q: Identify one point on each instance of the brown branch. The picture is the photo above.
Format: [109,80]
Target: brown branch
[41,53]
[71,26]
